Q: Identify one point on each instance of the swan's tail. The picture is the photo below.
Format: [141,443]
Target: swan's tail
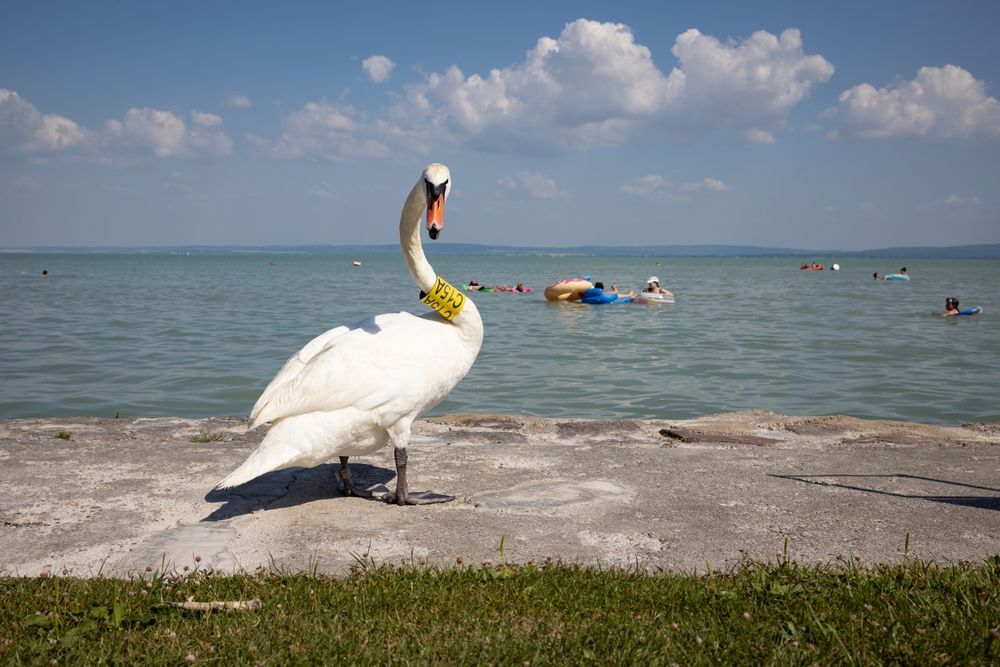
[308,440]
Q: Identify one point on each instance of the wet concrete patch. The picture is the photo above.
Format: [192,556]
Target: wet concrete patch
[550,493]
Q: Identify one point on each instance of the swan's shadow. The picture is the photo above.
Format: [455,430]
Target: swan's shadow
[291,487]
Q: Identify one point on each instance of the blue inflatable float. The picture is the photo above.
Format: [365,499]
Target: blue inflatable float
[970,311]
[595,296]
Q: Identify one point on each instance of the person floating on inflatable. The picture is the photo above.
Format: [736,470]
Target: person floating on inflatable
[654,293]
[507,288]
[653,287]
[614,290]
[951,308]
[597,295]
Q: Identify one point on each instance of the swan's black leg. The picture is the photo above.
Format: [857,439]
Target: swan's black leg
[345,476]
[402,495]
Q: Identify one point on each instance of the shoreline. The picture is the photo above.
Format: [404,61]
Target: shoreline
[122,495]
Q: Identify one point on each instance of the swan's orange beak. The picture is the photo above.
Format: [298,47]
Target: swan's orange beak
[435,215]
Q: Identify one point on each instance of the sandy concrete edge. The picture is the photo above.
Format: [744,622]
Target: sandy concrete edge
[89,496]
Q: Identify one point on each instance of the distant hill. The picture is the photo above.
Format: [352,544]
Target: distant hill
[980,251]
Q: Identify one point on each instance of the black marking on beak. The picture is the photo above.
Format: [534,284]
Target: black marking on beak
[433,232]
[435,191]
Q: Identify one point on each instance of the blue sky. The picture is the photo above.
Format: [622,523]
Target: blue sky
[844,125]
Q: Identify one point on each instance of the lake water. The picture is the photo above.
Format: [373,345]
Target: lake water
[195,336]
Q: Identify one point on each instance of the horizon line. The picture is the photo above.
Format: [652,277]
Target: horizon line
[606,247]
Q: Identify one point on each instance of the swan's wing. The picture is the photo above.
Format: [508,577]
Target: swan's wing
[309,440]
[394,363]
[294,366]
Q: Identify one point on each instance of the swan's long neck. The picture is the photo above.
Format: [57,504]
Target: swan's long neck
[409,238]
[468,322]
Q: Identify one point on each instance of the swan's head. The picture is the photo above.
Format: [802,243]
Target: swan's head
[437,184]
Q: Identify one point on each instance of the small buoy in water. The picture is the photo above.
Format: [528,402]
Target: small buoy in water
[835,267]
[356,263]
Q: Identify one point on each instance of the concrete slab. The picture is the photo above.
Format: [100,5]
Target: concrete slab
[120,496]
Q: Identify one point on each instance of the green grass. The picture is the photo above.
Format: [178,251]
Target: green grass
[912,613]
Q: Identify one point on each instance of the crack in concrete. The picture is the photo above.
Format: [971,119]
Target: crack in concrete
[287,489]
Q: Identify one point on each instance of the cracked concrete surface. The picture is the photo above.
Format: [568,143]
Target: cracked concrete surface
[120,496]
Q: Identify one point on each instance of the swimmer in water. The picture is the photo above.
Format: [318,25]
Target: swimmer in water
[950,307]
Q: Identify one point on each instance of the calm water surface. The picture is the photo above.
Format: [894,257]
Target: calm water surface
[201,336]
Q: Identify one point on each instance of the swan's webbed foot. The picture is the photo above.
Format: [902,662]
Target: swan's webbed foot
[377,492]
[401,496]
[418,498]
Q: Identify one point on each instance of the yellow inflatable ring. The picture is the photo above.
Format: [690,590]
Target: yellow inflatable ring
[570,289]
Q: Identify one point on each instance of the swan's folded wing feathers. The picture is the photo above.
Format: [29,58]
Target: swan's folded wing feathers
[352,370]
[309,440]
[293,367]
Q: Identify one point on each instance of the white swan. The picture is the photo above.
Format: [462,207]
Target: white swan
[354,389]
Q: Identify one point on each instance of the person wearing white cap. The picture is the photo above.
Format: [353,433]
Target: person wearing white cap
[653,286]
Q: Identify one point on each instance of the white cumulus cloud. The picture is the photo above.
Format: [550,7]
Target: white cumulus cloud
[16,112]
[168,135]
[595,85]
[758,136]
[954,201]
[747,84]
[321,130]
[160,131]
[535,184]
[658,188]
[707,183]
[378,68]
[206,119]
[25,129]
[234,101]
[323,192]
[164,133]
[941,103]
[55,133]
[651,186]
